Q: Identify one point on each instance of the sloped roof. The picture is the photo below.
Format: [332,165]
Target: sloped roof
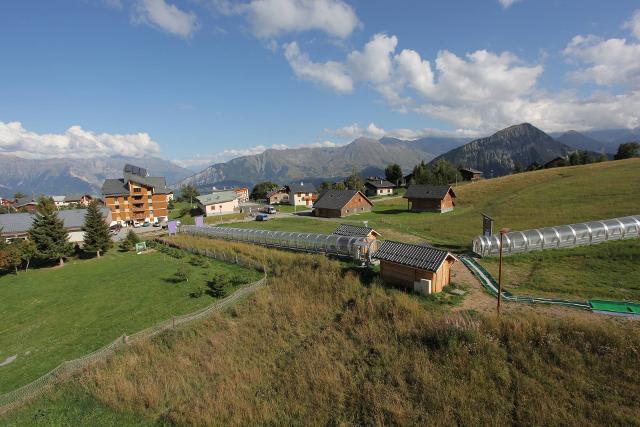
[19,223]
[74,197]
[217,197]
[302,187]
[58,199]
[114,187]
[23,201]
[275,191]
[471,170]
[337,199]
[379,183]
[354,230]
[428,192]
[418,256]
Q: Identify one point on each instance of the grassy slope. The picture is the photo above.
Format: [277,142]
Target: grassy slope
[322,348]
[61,314]
[536,199]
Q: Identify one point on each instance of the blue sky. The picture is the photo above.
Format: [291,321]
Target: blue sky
[205,80]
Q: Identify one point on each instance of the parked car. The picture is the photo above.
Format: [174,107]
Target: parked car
[270,210]
[136,224]
[157,224]
[262,217]
[146,224]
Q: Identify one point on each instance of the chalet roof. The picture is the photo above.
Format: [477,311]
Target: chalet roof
[418,256]
[118,187]
[58,199]
[471,170]
[337,199]
[74,197]
[379,183]
[436,192]
[217,197]
[354,230]
[19,223]
[24,201]
[302,187]
[275,191]
[115,187]
[135,170]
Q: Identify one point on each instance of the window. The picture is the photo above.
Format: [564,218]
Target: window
[137,190]
[150,213]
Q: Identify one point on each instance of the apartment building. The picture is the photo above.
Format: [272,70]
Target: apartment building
[136,197]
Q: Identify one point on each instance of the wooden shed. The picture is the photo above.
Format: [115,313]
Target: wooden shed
[430,198]
[470,174]
[420,268]
[339,203]
[357,231]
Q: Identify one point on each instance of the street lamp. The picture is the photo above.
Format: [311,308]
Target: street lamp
[502,233]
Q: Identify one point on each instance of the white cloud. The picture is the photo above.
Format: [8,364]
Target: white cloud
[373,63]
[115,4]
[271,18]
[330,73]
[354,131]
[608,62]
[634,24]
[75,142]
[507,3]
[168,17]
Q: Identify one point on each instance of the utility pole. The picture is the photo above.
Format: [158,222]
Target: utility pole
[502,233]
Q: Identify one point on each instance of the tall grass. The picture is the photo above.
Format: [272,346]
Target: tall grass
[316,346]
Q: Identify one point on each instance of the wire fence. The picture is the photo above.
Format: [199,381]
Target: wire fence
[15,398]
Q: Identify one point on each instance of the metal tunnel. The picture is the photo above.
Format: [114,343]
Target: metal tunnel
[358,248]
[562,236]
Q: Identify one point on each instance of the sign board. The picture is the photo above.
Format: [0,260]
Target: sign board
[141,247]
[487,225]
[199,221]
[173,227]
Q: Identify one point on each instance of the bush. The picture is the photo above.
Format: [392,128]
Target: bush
[182,274]
[217,286]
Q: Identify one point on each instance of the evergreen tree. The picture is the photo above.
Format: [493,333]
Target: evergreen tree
[188,193]
[48,233]
[628,150]
[354,181]
[96,231]
[13,257]
[393,173]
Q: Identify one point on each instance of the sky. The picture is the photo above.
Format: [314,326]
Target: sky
[203,81]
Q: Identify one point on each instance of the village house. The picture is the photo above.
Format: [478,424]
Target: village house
[17,225]
[25,204]
[470,174]
[136,197]
[302,194]
[356,231]
[59,201]
[340,203]
[378,187]
[278,196]
[242,193]
[420,268]
[430,198]
[78,199]
[218,203]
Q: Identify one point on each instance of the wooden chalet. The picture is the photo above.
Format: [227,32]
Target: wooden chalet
[470,174]
[420,268]
[430,198]
[340,203]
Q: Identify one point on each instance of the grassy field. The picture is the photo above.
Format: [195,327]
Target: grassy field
[328,347]
[56,314]
[605,271]
[290,208]
[185,212]
[536,199]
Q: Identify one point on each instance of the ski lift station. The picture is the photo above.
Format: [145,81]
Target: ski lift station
[562,236]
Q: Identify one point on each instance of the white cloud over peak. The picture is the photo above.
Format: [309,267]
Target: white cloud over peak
[75,142]
[354,130]
[167,17]
[271,18]
[634,24]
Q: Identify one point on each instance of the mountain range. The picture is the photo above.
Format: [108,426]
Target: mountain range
[495,155]
[61,176]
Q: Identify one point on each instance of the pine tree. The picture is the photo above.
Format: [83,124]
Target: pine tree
[96,231]
[48,233]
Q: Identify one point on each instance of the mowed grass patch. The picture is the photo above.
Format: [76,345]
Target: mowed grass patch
[185,212]
[56,314]
[318,346]
[528,200]
[608,270]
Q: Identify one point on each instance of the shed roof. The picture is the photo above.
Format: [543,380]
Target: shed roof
[58,199]
[217,197]
[379,183]
[24,201]
[437,192]
[471,170]
[354,230]
[19,223]
[337,199]
[302,187]
[418,256]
